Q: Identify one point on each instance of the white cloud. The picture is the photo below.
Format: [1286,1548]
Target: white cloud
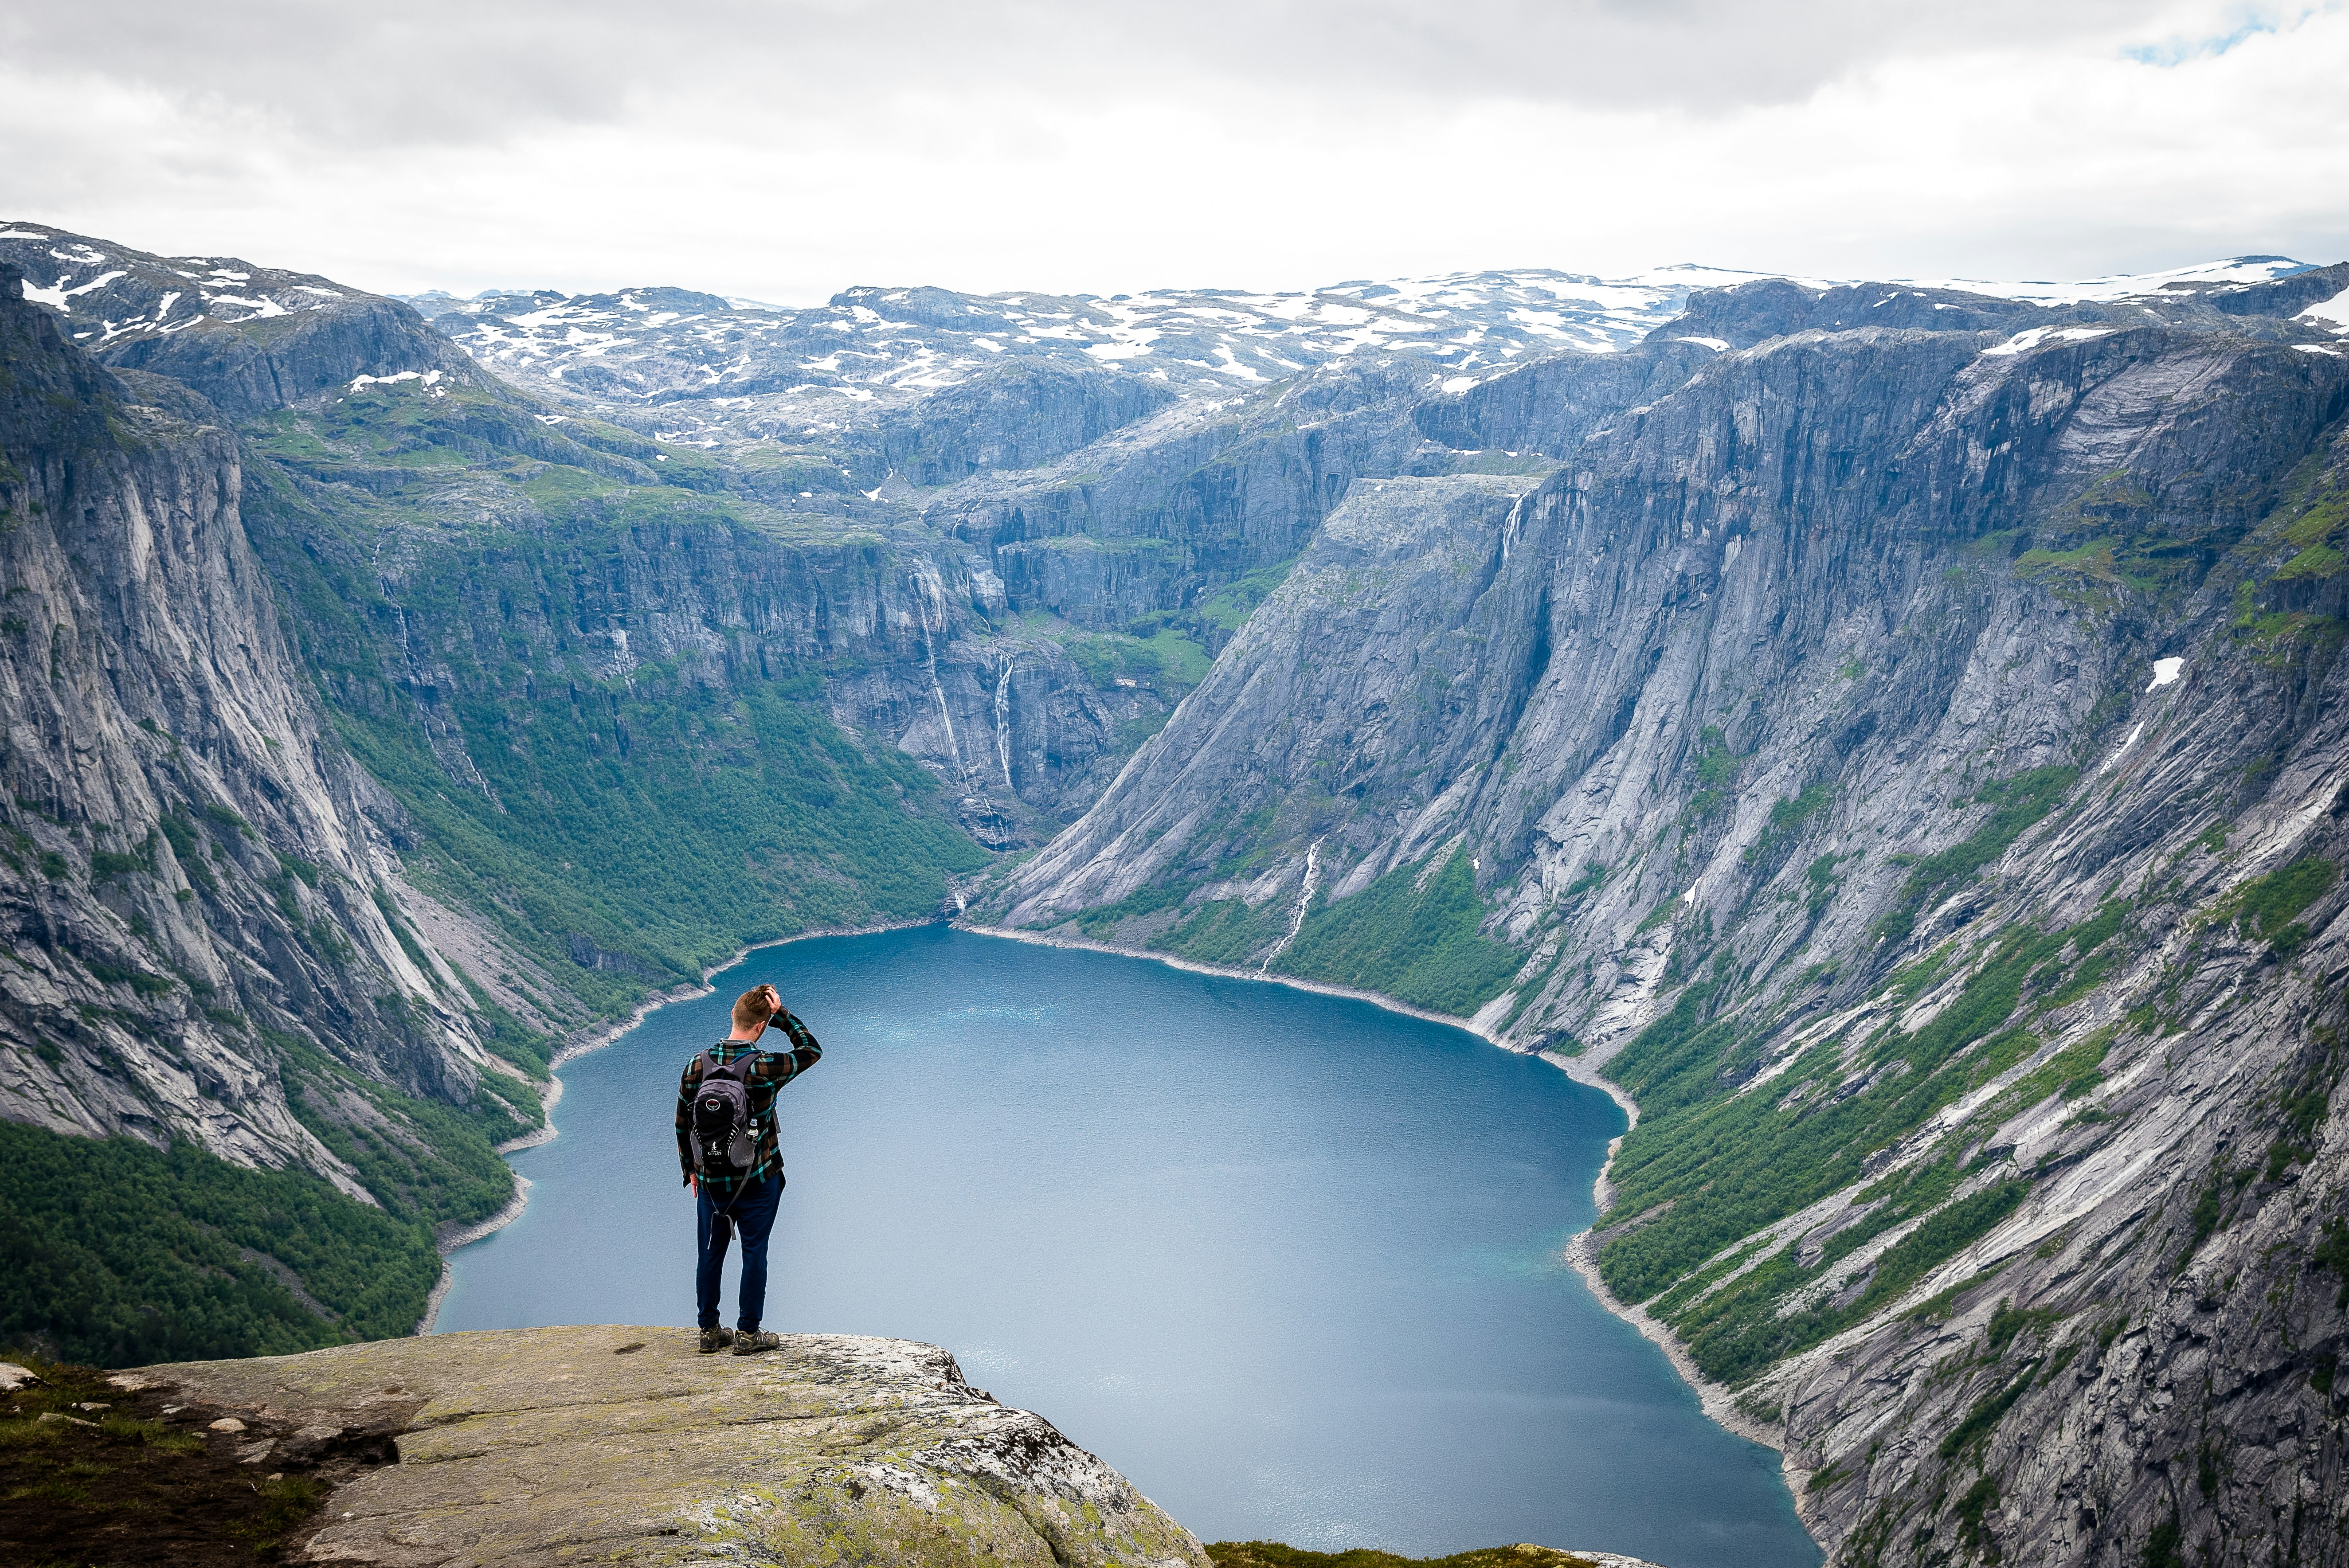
[783,152]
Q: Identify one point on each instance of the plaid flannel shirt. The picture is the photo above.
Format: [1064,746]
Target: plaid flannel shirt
[769,1073]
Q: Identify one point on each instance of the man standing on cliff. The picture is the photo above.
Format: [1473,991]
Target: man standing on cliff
[726,1142]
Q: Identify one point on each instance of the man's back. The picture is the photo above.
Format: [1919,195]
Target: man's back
[769,1071]
[731,1199]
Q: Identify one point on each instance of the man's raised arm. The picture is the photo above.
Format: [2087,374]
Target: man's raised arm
[804,1052]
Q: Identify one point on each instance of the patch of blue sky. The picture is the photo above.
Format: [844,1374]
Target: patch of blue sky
[2176,50]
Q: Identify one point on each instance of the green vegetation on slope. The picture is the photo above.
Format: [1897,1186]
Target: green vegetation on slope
[1153,653]
[1419,943]
[628,828]
[1273,1554]
[1229,607]
[1412,934]
[670,832]
[1710,1163]
[2269,905]
[418,1158]
[2022,802]
[120,1254]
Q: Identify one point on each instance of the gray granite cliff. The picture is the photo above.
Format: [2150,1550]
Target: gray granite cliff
[190,861]
[1732,719]
[1891,734]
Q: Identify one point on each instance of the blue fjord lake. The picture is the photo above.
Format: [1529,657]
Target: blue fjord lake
[1289,1262]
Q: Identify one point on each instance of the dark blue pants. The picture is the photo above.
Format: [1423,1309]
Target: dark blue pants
[753,1214]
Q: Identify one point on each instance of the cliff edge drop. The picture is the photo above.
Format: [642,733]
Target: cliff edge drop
[624,1445]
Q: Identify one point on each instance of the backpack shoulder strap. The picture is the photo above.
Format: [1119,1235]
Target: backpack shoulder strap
[739,1070]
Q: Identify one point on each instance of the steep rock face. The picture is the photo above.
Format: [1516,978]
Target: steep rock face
[1803,509]
[911,642]
[545,1445]
[2139,1366]
[1909,762]
[1157,517]
[1012,417]
[189,871]
[1323,690]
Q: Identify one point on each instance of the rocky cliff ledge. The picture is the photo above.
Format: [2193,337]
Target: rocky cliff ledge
[624,1445]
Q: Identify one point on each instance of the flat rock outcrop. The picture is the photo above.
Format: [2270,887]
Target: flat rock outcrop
[625,1445]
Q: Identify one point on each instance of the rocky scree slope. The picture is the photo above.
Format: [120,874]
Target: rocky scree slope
[1909,763]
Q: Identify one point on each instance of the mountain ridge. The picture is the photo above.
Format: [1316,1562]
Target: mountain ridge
[1766,883]
[1889,730]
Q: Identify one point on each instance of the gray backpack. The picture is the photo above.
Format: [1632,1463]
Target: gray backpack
[724,1141]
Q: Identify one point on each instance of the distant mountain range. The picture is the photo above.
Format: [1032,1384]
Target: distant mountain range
[1890,731]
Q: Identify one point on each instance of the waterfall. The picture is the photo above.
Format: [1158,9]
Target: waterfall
[925,577]
[1304,901]
[1003,723]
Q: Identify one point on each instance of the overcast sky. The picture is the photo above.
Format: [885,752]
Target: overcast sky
[786,148]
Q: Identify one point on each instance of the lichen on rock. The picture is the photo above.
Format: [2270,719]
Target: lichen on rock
[625,1445]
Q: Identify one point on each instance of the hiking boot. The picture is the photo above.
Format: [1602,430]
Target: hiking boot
[753,1341]
[716,1339]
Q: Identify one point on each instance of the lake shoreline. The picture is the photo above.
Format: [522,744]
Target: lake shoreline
[1714,1398]
[448,1239]
[1231,972]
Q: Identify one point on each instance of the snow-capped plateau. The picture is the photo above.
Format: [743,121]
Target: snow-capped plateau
[717,366]
[110,293]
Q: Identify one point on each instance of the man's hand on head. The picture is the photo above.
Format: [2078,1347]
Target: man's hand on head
[774,1000]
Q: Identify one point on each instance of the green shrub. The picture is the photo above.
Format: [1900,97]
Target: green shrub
[2271,903]
[1730,1164]
[1786,820]
[1423,945]
[1976,1505]
[2022,802]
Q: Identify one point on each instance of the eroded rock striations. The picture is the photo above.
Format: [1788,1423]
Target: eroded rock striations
[624,1445]
[1910,762]
[1890,731]
[189,867]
